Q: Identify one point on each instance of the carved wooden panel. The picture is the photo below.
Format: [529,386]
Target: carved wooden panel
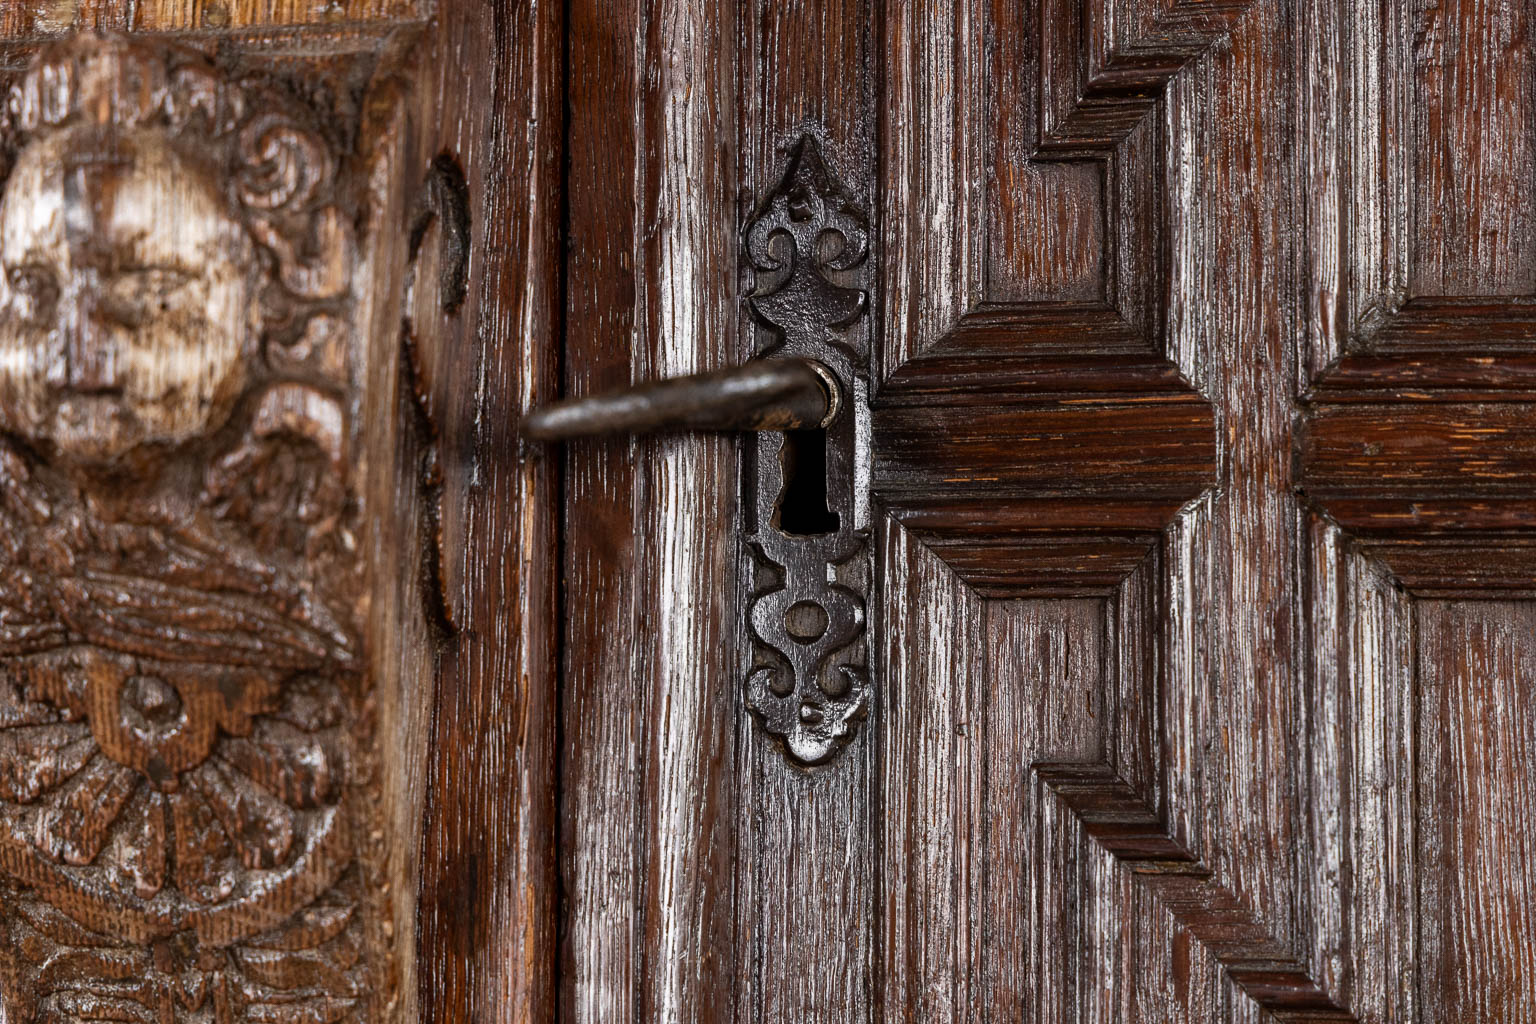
[1412,452]
[186,706]
[1036,432]
[188,714]
[227,277]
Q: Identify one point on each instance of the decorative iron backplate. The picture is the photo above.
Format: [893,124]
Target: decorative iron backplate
[809,680]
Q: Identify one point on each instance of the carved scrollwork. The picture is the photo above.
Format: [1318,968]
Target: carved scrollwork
[184,706]
[809,682]
[282,165]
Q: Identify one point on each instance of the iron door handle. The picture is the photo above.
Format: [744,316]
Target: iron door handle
[804,514]
[763,394]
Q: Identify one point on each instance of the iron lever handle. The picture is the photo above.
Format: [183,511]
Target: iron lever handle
[763,394]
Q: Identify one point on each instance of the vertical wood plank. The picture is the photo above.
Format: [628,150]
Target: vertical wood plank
[650,590]
[1233,693]
[1040,696]
[806,881]
[1475,159]
[604,692]
[1378,847]
[489,885]
[688,253]
[1476,797]
[932,659]
[969,217]
[1044,222]
[976,693]
[1359,754]
[931,178]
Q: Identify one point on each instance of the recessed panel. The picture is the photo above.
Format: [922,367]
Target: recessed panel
[1476,802]
[1474,97]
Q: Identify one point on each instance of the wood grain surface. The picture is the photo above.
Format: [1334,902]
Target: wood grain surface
[805,878]
[1261,750]
[1198,473]
[483,87]
[650,639]
[1474,785]
[23,18]
[1150,339]
[214,660]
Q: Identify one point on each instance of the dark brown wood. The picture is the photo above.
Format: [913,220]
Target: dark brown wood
[1104,64]
[52,16]
[1199,337]
[1111,814]
[989,484]
[1422,468]
[1192,464]
[209,453]
[1475,661]
[1414,440]
[807,864]
[1065,496]
[488,877]
[652,633]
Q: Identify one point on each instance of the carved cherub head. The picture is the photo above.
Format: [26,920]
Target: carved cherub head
[147,200]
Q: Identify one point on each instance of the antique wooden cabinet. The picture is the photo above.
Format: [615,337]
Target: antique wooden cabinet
[1132,623]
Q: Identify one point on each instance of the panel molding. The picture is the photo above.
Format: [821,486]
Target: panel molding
[1105,64]
[1078,141]
[1443,492]
[1057,497]
[1065,268]
[1375,289]
[979,335]
[1114,817]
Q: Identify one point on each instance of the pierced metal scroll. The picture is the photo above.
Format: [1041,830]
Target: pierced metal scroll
[808,684]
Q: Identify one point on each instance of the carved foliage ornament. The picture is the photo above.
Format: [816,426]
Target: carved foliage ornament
[181,693]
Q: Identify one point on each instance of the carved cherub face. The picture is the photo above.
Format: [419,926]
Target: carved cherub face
[126,295]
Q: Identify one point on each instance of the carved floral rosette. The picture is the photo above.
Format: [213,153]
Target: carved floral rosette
[183,705]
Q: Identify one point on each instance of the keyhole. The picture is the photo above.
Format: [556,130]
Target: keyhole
[802,510]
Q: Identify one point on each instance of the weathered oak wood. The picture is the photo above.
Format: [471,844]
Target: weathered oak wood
[484,87]
[1474,783]
[1422,468]
[806,866]
[1198,477]
[46,17]
[214,567]
[653,621]
[1063,497]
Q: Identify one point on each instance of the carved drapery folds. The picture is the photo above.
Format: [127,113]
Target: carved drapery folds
[184,701]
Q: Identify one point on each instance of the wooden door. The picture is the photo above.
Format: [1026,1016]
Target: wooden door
[1199,635]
